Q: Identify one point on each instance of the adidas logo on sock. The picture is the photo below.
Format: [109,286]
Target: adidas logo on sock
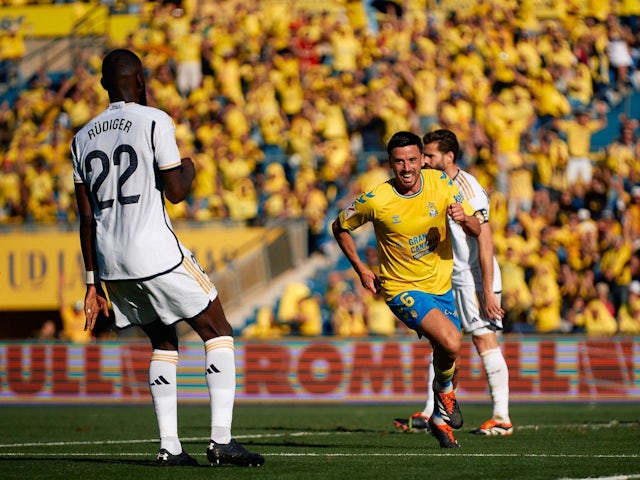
[160,381]
[212,369]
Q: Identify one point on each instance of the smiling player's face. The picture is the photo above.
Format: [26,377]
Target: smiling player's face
[406,163]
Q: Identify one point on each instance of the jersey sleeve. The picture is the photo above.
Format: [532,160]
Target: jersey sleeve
[77,177]
[480,201]
[478,197]
[359,212]
[165,145]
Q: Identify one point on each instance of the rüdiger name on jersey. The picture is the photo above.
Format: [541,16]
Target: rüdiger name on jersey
[114,124]
[127,143]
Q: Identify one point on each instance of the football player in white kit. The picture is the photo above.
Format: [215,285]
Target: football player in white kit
[125,163]
[476,285]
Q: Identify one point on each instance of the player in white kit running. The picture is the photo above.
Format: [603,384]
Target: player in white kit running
[125,163]
[477,285]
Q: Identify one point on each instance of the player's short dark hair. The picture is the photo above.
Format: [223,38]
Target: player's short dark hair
[403,139]
[118,63]
[446,140]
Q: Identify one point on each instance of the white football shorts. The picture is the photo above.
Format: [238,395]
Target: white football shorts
[469,303]
[181,294]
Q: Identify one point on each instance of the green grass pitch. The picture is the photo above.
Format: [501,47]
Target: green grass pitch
[326,441]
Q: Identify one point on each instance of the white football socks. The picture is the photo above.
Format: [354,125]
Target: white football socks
[221,381]
[497,372]
[162,383]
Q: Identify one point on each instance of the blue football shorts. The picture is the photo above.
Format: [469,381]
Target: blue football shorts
[413,305]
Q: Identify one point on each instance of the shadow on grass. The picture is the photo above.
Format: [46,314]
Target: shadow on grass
[66,459]
[97,461]
[310,430]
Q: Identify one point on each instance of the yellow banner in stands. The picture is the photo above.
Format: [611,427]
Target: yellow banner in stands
[49,21]
[56,20]
[35,266]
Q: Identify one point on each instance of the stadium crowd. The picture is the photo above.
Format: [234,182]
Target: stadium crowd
[286,114]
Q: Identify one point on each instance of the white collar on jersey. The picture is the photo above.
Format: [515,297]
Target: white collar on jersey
[116,105]
[120,105]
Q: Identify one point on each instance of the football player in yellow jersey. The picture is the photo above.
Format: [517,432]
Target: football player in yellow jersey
[477,287]
[409,214]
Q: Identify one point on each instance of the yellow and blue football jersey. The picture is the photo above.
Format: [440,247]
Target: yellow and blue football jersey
[414,242]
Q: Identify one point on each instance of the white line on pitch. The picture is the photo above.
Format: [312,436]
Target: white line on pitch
[615,477]
[357,454]
[612,424]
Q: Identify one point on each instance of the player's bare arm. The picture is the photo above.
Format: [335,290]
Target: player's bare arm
[368,279]
[469,223]
[485,256]
[95,300]
[177,182]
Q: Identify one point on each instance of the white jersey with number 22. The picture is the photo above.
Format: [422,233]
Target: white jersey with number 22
[118,156]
